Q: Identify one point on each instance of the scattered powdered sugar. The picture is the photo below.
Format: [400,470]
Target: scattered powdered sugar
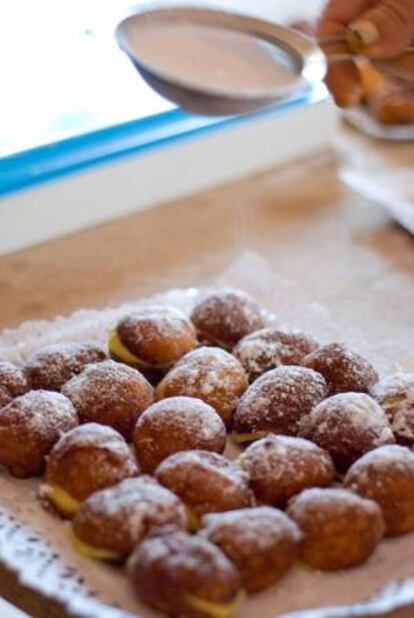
[131,508]
[149,325]
[41,413]
[227,315]
[250,531]
[55,364]
[185,417]
[207,481]
[356,409]
[279,399]
[271,347]
[343,369]
[210,374]
[280,466]
[395,394]
[111,393]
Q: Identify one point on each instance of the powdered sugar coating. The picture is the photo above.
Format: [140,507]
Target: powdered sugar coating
[29,427]
[343,369]
[111,394]
[206,482]
[386,475]
[347,425]
[279,467]
[278,400]
[177,424]
[168,569]
[225,316]
[340,529]
[54,365]
[157,335]
[120,517]
[262,543]
[269,348]
[88,458]
[395,394]
[12,382]
[210,374]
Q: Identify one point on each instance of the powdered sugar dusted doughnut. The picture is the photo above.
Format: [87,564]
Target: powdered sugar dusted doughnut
[277,401]
[12,382]
[174,425]
[111,394]
[269,348]
[29,427]
[210,374]
[339,529]
[206,482]
[347,426]
[226,316]
[113,521]
[152,337]
[279,467]
[343,369]
[185,576]
[395,394]
[87,458]
[386,475]
[55,364]
[262,542]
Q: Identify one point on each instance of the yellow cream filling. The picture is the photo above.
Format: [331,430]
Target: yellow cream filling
[117,348]
[215,610]
[193,520]
[60,498]
[95,553]
[240,438]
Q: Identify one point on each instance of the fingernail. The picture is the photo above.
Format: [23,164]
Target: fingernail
[366,31]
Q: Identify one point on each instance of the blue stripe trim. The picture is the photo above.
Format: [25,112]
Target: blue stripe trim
[45,163]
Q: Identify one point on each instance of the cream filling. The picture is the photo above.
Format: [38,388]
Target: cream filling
[240,438]
[61,500]
[90,551]
[121,352]
[215,610]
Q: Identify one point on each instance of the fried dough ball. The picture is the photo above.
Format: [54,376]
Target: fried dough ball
[225,316]
[29,427]
[262,542]
[206,482]
[56,364]
[185,576]
[395,394]
[110,393]
[386,475]
[87,458]
[269,348]
[347,426]
[339,529]
[278,467]
[343,369]
[112,522]
[210,374]
[276,402]
[174,425]
[152,337]
[12,382]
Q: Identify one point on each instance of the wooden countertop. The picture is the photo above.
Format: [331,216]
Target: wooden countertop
[301,218]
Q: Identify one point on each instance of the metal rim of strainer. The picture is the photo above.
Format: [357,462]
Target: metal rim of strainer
[308,59]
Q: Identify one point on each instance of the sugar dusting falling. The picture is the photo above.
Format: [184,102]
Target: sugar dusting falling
[390,346]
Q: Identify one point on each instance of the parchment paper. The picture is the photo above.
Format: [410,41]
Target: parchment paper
[35,542]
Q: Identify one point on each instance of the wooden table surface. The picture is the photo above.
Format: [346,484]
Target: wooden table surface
[309,227]
[302,219]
